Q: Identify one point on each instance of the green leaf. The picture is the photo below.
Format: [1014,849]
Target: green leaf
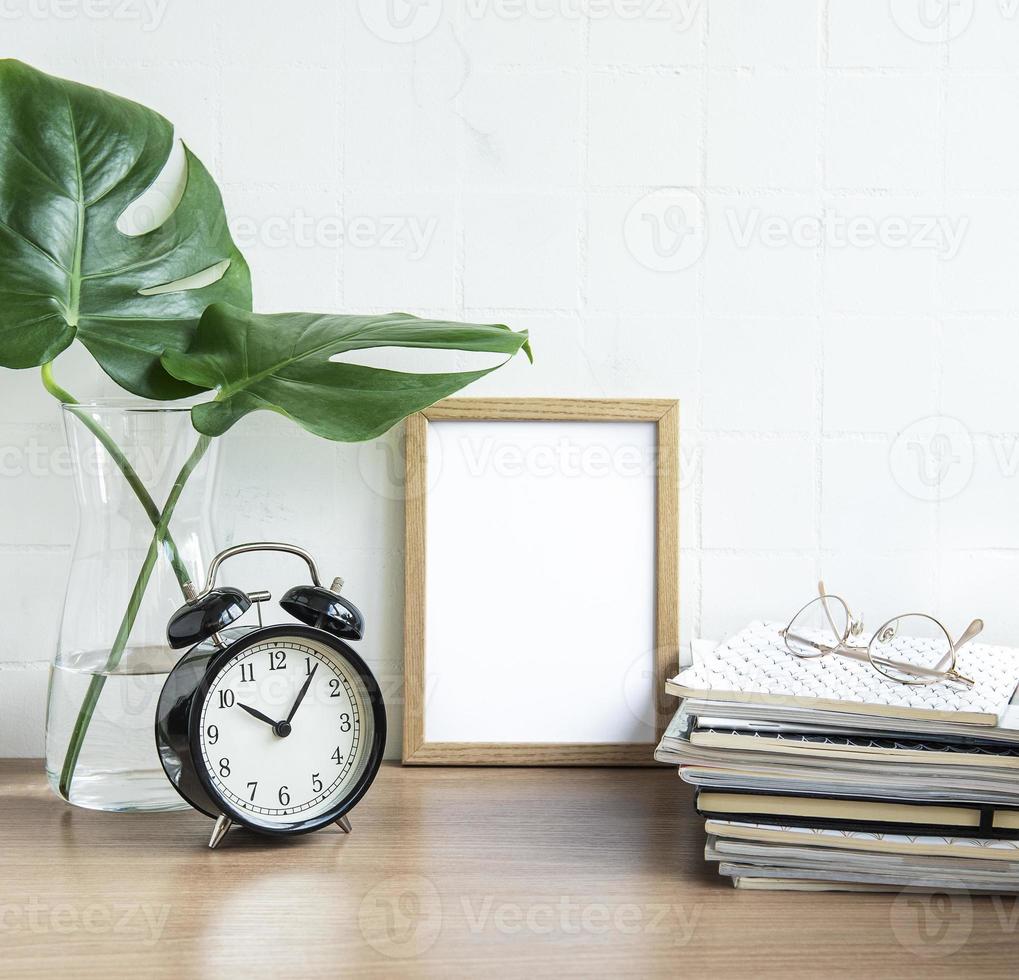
[281,362]
[72,159]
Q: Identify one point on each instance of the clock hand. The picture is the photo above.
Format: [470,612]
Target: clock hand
[257,714]
[301,693]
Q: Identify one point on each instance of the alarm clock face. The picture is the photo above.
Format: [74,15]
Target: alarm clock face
[286,729]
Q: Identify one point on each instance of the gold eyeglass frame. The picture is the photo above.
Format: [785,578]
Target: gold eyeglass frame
[945,671]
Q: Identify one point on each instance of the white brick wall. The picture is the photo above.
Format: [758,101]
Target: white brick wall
[509,154]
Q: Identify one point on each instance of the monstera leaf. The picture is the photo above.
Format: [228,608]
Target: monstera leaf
[72,159]
[281,362]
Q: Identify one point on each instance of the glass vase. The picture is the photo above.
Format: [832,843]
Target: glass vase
[143,480]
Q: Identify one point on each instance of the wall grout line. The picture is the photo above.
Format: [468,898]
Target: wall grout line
[691,70]
[701,306]
[342,99]
[937,288]
[552,189]
[584,174]
[460,184]
[823,58]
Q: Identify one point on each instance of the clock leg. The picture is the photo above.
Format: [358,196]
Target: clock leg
[219,831]
[344,824]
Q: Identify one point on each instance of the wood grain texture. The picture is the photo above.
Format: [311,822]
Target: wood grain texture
[448,873]
[530,754]
[663,412]
[552,409]
[416,483]
[667,555]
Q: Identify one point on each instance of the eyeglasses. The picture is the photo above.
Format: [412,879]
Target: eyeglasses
[913,648]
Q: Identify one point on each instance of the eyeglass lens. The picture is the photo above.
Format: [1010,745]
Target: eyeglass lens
[916,641]
[818,627]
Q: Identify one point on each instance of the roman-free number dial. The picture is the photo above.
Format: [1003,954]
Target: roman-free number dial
[281,728]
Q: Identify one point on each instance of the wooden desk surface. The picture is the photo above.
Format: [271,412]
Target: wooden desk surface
[448,872]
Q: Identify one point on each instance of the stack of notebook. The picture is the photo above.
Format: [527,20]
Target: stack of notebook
[820,774]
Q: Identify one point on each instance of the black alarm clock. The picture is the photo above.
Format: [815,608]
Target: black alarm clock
[280,729]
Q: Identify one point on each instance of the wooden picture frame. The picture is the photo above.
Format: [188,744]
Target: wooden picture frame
[665,415]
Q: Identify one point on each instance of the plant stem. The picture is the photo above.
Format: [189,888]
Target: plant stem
[125,467]
[97,682]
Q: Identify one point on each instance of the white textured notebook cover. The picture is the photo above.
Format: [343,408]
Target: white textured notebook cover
[754,665]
